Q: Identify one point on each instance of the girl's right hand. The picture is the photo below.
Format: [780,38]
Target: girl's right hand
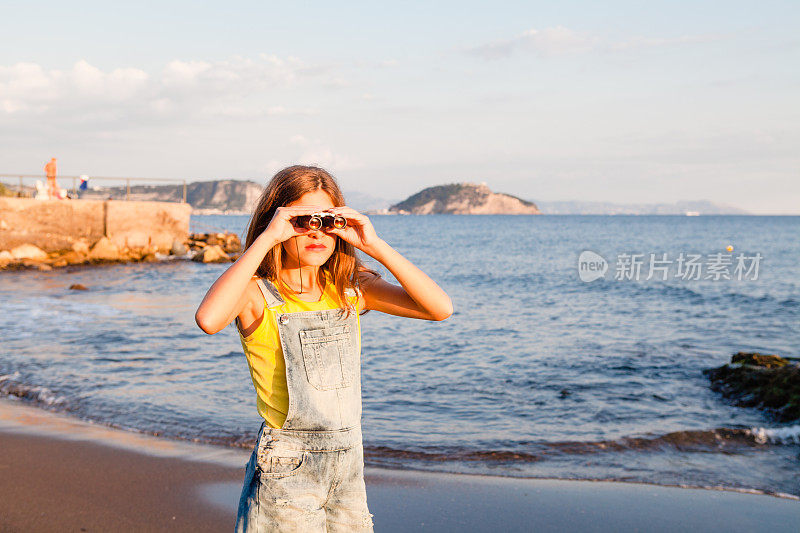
[281,227]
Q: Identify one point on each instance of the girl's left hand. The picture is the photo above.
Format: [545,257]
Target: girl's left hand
[358,232]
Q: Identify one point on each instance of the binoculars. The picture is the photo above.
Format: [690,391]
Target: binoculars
[320,220]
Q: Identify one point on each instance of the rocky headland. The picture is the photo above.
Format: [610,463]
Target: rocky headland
[234,197]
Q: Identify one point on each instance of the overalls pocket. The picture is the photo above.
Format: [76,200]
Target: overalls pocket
[278,462]
[328,356]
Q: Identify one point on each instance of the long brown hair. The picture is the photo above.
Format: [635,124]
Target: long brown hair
[285,187]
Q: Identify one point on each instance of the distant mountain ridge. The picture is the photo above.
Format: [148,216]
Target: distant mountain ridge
[209,197]
[240,196]
[700,207]
[463,199]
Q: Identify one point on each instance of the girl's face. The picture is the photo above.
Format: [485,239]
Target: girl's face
[315,246]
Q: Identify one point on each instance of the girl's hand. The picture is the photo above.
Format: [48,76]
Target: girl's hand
[358,232]
[281,227]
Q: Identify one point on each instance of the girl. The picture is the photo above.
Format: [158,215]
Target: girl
[296,295]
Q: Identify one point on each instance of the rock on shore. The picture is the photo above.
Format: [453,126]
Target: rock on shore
[767,382]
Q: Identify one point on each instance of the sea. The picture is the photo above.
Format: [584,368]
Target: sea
[576,349]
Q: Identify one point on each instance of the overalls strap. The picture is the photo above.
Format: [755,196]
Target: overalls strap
[271,294]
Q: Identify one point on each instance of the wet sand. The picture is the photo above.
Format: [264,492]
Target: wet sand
[62,474]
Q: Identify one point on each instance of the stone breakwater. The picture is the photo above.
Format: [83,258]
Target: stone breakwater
[48,234]
[201,247]
[56,225]
[767,382]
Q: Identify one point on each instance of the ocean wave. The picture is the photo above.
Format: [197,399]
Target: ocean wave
[696,292]
[718,440]
[784,435]
[9,386]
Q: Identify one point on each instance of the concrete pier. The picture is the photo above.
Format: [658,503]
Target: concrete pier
[54,225]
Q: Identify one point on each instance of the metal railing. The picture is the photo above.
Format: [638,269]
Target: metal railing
[76,179]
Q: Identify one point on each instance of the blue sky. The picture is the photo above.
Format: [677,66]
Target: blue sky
[614,101]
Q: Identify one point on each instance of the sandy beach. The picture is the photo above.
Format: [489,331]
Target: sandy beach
[63,474]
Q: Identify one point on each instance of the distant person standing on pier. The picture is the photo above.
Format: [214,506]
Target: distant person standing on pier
[83,186]
[52,186]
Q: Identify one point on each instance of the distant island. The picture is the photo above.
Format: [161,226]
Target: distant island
[238,197]
[463,199]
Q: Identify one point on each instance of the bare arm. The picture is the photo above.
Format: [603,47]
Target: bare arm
[419,296]
[227,297]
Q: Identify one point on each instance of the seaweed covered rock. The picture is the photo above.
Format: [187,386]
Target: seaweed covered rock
[757,359]
[223,247]
[768,382]
[229,242]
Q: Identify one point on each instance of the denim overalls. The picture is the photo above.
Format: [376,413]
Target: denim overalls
[308,475]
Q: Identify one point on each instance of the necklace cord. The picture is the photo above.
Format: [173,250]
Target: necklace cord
[297,246]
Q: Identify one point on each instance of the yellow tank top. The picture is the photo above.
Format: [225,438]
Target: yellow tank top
[264,354]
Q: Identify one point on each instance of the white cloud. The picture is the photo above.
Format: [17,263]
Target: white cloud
[371,64]
[546,42]
[238,87]
[183,72]
[302,150]
[652,42]
[249,74]
[316,152]
[560,40]
[27,87]
[270,168]
[244,111]
[325,157]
